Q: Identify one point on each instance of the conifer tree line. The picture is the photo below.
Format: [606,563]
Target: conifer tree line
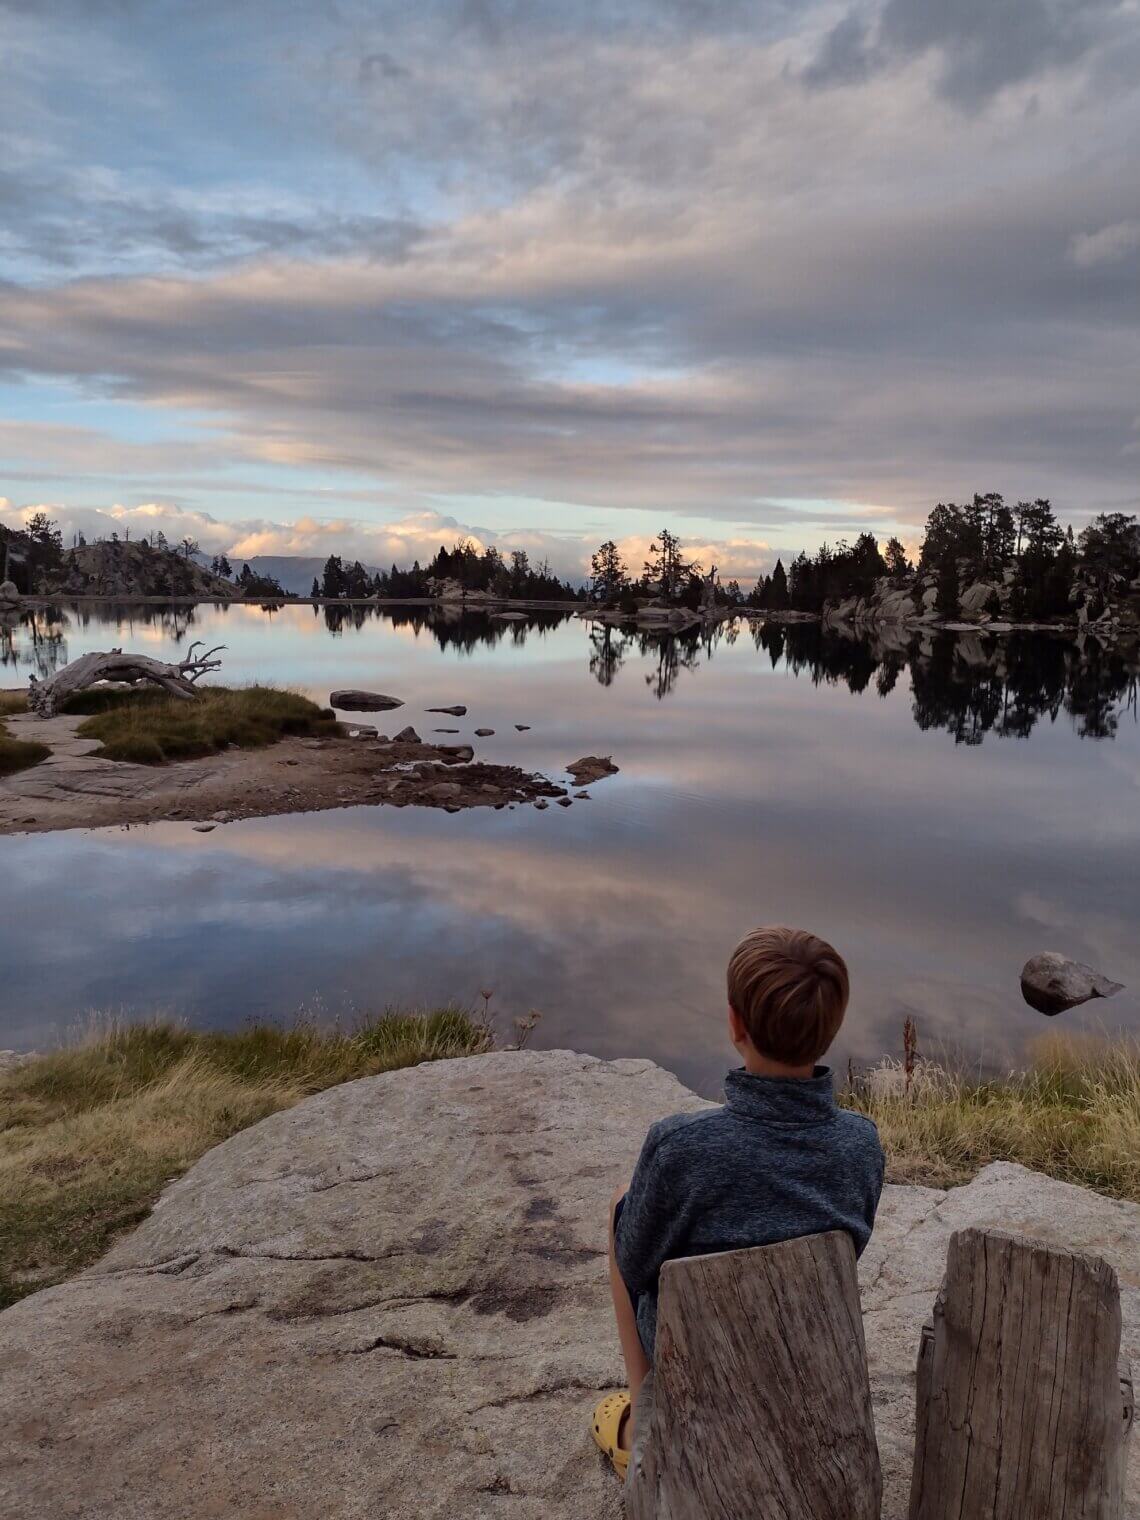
[1023,547]
[475,570]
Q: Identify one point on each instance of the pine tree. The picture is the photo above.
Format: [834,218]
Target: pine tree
[609,574]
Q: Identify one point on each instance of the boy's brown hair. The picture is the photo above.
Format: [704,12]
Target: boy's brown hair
[790,989]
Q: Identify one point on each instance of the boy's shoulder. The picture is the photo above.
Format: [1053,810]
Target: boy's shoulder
[677,1133]
[675,1130]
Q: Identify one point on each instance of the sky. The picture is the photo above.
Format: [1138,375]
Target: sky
[367,276]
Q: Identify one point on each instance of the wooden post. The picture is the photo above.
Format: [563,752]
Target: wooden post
[759,1402]
[1022,1409]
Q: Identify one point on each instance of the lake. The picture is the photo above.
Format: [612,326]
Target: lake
[940,808]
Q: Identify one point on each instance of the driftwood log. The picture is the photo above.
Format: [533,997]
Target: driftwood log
[46,697]
[1022,1407]
[759,1402]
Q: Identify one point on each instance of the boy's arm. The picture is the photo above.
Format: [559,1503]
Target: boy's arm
[651,1225]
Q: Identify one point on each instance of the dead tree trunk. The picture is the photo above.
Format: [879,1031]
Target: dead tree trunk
[46,697]
[760,1402]
[1022,1408]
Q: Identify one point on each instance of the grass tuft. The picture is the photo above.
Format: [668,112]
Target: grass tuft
[149,727]
[1074,1114]
[92,1132]
[17,754]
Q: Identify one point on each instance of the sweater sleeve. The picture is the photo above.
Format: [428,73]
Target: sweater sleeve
[650,1225]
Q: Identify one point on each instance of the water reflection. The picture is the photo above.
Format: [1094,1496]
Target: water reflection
[792,775]
[969,685]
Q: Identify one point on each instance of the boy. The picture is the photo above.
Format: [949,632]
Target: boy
[779,1159]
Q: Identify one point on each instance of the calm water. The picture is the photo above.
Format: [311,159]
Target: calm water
[940,810]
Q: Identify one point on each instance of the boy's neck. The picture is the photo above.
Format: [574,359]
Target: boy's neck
[757,1065]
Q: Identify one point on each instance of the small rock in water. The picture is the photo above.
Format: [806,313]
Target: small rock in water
[592,768]
[583,796]
[565,802]
[522,727]
[445,730]
[452,712]
[204,828]
[542,803]
[222,817]
[1051,983]
[484,733]
[363,701]
[407,736]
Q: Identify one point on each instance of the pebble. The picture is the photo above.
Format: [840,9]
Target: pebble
[204,828]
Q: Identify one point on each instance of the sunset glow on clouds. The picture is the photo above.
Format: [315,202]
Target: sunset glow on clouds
[550,274]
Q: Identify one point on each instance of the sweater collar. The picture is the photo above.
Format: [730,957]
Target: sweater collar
[781,1100]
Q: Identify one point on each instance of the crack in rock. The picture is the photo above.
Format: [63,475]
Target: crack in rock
[415,1351]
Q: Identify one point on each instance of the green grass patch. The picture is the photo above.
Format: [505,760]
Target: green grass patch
[91,1133]
[1073,1114]
[150,727]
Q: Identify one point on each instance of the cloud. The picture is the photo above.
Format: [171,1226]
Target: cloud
[1089,250]
[416,536]
[980,48]
[603,260]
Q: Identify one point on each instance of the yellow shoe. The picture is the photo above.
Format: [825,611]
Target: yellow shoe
[606,1426]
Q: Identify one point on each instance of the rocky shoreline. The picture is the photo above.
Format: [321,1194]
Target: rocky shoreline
[75,788]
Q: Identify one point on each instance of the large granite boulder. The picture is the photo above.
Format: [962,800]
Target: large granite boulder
[392,1301]
[1052,983]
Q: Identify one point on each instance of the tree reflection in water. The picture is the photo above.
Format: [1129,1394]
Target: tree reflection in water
[972,685]
[969,685]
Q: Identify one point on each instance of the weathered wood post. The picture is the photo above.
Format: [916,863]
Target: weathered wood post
[1022,1408]
[760,1403]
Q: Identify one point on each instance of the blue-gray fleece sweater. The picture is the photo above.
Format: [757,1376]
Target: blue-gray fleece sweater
[780,1159]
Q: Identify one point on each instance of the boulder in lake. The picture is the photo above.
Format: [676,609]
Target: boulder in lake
[363,701]
[1051,983]
[592,768]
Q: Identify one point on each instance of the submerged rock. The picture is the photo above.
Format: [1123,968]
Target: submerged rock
[1051,983]
[391,1300]
[592,768]
[363,701]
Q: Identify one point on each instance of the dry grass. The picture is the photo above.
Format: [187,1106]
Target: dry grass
[92,1132]
[151,728]
[1074,1114]
[17,754]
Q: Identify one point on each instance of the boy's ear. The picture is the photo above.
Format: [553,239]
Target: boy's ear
[736,1030]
